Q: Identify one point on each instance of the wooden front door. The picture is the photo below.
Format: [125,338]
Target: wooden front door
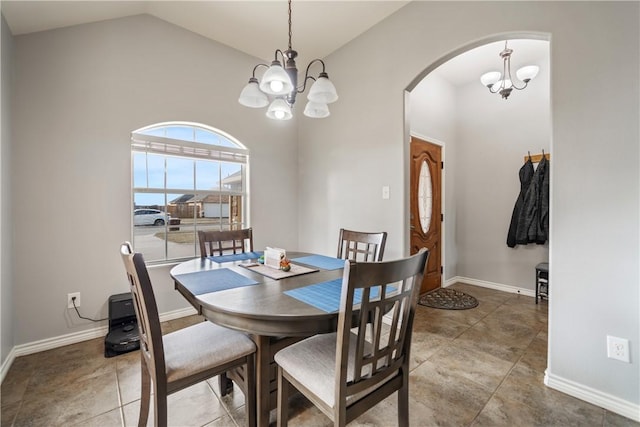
[425,207]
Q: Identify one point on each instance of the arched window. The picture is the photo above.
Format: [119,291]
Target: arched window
[185,177]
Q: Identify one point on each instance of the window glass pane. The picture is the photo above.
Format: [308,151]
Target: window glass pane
[155,171]
[148,200]
[139,170]
[179,132]
[206,137]
[231,176]
[149,221]
[181,233]
[207,174]
[180,173]
[154,132]
[148,170]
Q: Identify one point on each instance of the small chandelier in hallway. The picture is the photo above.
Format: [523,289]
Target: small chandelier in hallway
[280,81]
[503,83]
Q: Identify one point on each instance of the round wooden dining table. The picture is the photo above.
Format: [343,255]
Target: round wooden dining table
[262,309]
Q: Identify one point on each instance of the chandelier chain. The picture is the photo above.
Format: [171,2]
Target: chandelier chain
[290,32]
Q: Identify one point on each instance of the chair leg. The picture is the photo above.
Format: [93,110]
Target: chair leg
[250,391]
[403,401]
[226,385]
[160,404]
[283,399]
[145,397]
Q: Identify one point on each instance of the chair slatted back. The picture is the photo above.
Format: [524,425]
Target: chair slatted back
[361,246]
[225,242]
[146,310]
[377,358]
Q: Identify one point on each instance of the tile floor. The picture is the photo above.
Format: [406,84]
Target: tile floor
[478,367]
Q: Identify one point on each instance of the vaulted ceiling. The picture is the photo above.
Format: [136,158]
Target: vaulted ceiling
[254,27]
[259,27]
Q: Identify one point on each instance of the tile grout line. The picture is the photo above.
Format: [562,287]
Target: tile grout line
[120,406]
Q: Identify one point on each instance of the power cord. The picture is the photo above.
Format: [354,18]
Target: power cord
[73,300]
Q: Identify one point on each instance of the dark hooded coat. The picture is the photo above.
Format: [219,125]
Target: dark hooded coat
[532,224]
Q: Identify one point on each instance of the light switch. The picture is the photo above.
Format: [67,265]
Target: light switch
[385,192]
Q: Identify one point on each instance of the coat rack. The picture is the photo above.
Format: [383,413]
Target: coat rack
[535,158]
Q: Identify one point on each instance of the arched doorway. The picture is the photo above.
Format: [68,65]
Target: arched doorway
[484,139]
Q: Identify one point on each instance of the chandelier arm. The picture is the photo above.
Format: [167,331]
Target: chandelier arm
[302,88]
[307,76]
[253,74]
[281,54]
[513,83]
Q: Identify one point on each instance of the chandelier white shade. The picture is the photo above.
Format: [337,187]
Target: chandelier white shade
[490,78]
[279,87]
[323,91]
[252,96]
[316,110]
[503,83]
[279,110]
[276,81]
[527,73]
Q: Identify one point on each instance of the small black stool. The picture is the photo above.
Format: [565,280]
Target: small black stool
[542,281]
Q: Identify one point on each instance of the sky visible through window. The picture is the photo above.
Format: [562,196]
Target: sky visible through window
[190,133]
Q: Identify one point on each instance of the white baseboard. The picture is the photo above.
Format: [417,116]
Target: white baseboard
[73,338]
[593,396]
[6,364]
[490,285]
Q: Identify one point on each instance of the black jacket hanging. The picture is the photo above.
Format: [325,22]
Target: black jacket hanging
[526,173]
[534,209]
[543,235]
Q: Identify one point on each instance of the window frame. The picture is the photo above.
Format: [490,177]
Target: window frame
[194,151]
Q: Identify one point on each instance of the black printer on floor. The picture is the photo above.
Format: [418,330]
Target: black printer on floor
[123,326]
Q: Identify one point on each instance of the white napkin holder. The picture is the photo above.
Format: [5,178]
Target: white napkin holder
[273,256]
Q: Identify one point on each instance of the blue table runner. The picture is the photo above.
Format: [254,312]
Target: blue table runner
[235,257]
[321,261]
[202,282]
[326,295]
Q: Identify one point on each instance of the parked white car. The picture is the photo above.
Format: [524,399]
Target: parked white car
[150,217]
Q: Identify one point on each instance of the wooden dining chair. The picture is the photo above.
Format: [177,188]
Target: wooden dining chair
[224,242]
[346,373]
[361,246]
[185,357]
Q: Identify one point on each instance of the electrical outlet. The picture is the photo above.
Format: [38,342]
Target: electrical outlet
[618,348]
[70,297]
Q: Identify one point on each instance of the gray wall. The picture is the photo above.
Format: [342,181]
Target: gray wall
[594,249]
[6,232]
[79,93]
